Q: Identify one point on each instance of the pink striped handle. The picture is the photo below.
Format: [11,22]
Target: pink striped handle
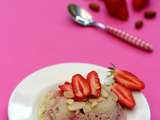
[129,38]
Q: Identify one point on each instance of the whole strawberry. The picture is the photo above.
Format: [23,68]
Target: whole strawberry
[139,4]
[117,8]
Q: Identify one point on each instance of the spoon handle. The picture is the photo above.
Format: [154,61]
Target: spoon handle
[133,40]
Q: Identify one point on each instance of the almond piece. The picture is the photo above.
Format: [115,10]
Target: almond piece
[104,93]
[68,94]
[87,108]
[70,101]
[93,104]
[100,99]
[76,106]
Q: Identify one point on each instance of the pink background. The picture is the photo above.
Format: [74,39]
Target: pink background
[39,33]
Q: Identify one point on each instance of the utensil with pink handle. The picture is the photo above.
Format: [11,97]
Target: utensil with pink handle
[82,17]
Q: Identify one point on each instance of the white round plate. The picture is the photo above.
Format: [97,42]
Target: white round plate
[23,101]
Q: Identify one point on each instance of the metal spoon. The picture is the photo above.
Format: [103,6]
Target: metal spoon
[82,17]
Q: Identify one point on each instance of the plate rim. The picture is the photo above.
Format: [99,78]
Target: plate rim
[54,65]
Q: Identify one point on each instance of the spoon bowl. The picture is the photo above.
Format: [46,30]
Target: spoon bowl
[80,15]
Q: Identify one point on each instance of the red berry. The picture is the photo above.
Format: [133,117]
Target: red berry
[117,8]
[139,24]
[150,14]
[139,4]
[94,7]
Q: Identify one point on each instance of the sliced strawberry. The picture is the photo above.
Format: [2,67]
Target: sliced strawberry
[117,8]
[128,80]
[65,87]
[80,87]
[66,82]
[125,97]
[94,84]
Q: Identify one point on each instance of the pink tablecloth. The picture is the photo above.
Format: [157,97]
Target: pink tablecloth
[38,33]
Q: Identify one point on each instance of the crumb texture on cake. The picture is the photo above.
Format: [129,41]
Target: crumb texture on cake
[53,106]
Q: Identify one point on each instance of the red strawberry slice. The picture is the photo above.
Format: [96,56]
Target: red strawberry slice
[80,87]
[139,4]
[94,84]
[65,87]
[128,80]
[117,8]
[125,97]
